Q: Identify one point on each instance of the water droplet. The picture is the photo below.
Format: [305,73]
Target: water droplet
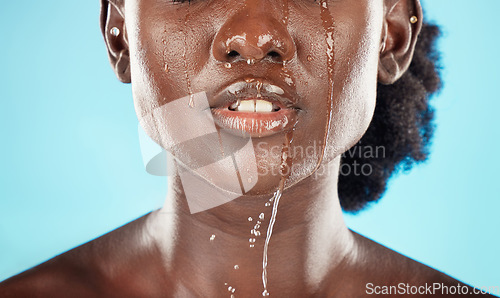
[251,240]
[309,58]
[184,58]
[276,199]
[329,27]
[268,204]
[232,296]
[250,219]
[236,267]
[229,289]
[259,85]
[257,226]
[286,13]
[261,216]
[286,75]
[257,233]
[252,246]
[191,101]
[228,65]
[212,238]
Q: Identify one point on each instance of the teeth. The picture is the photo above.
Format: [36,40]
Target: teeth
[235,105]
[246,106]
[257,105]
[263,106]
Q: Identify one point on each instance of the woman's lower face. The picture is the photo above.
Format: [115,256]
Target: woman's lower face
[245,93]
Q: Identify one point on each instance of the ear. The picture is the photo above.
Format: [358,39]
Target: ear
[399,36]
[112,16]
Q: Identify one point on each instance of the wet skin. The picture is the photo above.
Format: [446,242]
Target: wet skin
[168,253]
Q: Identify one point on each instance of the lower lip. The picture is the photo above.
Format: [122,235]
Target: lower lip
[255,124]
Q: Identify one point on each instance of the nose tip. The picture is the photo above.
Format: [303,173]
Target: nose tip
[255,39]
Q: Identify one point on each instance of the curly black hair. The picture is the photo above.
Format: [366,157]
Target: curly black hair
[402,125]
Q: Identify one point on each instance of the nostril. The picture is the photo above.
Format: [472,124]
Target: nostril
[243,50]
[233,54]
[273,54]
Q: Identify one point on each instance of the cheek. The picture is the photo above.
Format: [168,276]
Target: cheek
[355,86]
[158,76]
[167,50]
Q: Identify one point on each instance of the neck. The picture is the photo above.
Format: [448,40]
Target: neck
[221,249]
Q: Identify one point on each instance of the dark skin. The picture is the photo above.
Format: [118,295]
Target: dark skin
[167,253]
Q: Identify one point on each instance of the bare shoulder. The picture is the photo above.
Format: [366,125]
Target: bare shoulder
[118,264]
[58,277]
[377,270]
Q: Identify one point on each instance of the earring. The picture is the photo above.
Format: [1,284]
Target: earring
[413,19]
[114,31]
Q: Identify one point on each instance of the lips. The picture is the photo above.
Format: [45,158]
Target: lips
[255,108]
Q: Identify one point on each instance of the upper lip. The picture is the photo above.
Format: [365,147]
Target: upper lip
[254,88]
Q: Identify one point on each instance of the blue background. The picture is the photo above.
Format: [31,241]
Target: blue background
[71,167]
